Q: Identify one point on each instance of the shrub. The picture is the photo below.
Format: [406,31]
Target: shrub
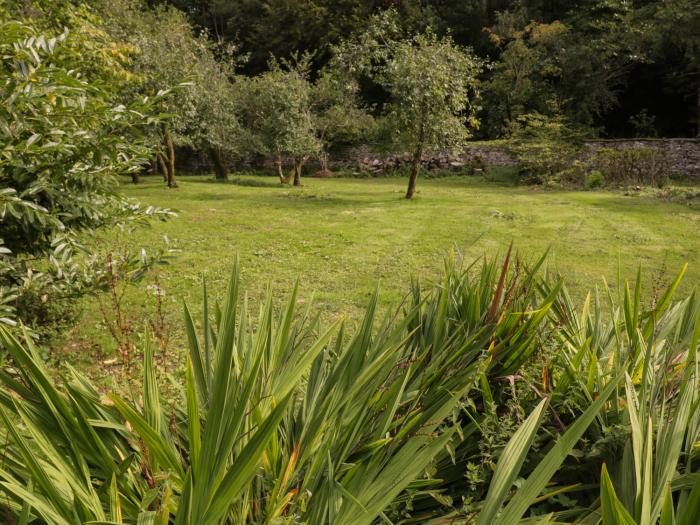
[545,147]
[539,163]
[64,139]
[595,179]
[645,166]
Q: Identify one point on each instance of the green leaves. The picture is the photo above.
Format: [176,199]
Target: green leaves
[656,351]
[65,136]
[281,420]
[531,488]
[614,512]
[432,82]
[276,111]
[509,467]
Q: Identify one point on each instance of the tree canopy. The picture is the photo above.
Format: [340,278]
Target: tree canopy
[585,60]
[276,109]
[432,85]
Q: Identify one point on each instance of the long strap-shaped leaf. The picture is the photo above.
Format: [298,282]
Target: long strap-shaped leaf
[614,512]
[552,461]
[690,511]
[510,464]
[392,479]
[243,467]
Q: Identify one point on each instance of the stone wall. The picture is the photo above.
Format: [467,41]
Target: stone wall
[683,156]
[478,155]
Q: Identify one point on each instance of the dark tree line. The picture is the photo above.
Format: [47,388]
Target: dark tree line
[615,67]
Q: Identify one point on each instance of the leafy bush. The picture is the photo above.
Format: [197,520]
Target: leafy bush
[595,179]
[64,140]
[545,147]
[686,195]
[541,162]
[645,166]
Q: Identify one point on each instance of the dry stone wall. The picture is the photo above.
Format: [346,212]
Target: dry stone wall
[682,155]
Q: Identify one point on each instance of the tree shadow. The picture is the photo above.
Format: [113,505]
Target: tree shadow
[240,181]
[256,183]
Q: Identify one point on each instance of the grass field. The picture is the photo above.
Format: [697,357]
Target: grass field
[342,237]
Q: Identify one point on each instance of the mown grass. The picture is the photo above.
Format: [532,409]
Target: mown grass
[343,237]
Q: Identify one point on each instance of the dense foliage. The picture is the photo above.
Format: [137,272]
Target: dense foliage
[202,112]
[488,398]
[239,81]
[276,110]
[405,421]
[585,65]
[603,62]
[431,81]
[65,137]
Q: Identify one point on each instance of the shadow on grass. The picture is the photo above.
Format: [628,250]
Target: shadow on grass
[302,199]
[214,197]
[239,181]
[257,183]
[291,198]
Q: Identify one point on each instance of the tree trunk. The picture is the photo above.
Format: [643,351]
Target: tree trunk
[509,111]
[155,165]
[417,156]
[280,172]
[298,167]
[220,170]
[323,160]
[415,169]
[163,166]
[170,157]
[135,178]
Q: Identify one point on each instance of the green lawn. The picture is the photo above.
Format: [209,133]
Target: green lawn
[342,237]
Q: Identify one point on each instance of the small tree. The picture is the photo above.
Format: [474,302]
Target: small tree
[169,54]
[432,83]
[338,117]
[276,114]
[211,124]
[166,54]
